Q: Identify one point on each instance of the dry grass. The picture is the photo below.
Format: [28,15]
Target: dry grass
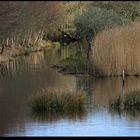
[116,50]
[20,41]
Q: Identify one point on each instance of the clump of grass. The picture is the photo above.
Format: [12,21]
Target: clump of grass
[58,102]
[74,64]
[130,101]
[116,50]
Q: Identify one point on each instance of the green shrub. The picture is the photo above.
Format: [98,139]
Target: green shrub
[95,20]
[74,64]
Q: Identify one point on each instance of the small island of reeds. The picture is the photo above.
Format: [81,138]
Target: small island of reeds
[58,102]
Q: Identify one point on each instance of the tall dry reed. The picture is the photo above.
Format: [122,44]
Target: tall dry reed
[30,40]
[116,50]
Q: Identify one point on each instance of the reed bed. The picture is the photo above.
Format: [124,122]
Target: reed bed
[31,39]
[58,101]
[116,50]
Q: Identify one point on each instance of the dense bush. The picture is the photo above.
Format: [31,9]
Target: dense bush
[129,9]
[95,20]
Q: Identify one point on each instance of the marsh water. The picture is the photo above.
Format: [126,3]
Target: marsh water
[28,75]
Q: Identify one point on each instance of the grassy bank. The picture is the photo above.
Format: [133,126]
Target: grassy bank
[58,102]
[116,50]
[74,64]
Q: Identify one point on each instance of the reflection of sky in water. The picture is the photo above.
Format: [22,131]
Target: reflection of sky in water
[98,124]
[26,77]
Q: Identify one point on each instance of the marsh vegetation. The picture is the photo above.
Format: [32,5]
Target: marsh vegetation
[74,64]
[58,102]
[116,50]
[81,50]
[129,101]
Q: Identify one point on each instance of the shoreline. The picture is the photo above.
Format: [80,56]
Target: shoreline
[12,53]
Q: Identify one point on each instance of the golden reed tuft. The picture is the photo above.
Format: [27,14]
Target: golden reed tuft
[116,50]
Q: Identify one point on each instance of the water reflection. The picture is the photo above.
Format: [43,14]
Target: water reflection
[28,74]
[131,114]
[22,78]
[52,117]
[103,90]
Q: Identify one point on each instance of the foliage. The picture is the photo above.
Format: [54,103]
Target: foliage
[70,10]
[95,20]
[74,64]
[129,9]
[56,44]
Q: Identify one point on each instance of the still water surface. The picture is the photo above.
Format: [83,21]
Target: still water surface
[27,75]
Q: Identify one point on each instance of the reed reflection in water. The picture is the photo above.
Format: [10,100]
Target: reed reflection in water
[29,74]
[22,78]
[52,117]
[103,90]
